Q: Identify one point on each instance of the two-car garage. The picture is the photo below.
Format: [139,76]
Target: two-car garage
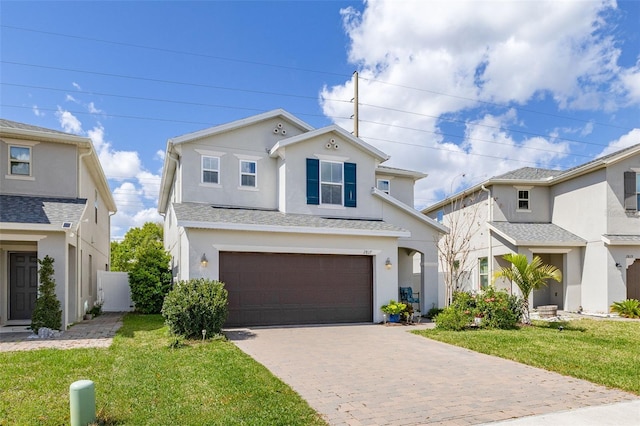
[288,288]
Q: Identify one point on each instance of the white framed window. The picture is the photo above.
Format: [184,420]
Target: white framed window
[524,201]
[331,182]
[384,185]
[483,272]
[210,169]
[95,205]
[20,160]
[248,173]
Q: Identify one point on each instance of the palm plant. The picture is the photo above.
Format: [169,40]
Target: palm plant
[527,276]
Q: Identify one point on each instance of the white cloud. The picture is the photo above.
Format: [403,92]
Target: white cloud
[630,139]
[150,185]
[76,85]
[437,59]
[70,98]
[37,112]
[69,122]
[92,108]
[159,155]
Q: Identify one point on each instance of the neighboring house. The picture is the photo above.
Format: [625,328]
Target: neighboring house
[584,220]
[303,225]
[54,200]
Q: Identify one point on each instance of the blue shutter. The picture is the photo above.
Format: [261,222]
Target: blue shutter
[313,181]
[349,184]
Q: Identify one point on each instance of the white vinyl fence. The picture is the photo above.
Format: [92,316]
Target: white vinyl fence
[113,288]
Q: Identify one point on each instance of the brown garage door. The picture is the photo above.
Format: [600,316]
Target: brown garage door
[633,280]
[279,289]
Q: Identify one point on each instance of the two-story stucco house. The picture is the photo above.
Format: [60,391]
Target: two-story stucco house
[302,225]
[585,221]
[54,200]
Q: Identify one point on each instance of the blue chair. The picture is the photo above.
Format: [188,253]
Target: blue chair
[408,296]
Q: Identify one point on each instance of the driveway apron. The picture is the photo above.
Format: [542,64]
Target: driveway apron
[383,375]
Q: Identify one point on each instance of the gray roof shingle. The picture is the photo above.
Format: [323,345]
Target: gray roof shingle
[541,234]
[40,210]
[210,215]
[530,173]
[23,126]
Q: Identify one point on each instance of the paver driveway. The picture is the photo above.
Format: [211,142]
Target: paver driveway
[383,375]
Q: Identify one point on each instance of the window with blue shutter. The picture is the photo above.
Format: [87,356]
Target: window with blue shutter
[350,185]
[313,181]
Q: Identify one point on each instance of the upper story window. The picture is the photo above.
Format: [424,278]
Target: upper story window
[632,191]
[331,183]
[210,169]
[19,160]
[483,272]
[524,199]
[384,185]
[95,205]
[248,173]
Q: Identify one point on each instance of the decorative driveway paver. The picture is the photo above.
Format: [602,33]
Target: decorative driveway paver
[95,333]
[383,375]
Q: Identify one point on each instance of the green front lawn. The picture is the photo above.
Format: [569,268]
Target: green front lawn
[140,380]
[603,352]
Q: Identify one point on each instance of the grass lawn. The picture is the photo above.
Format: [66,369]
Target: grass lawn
[603,352]
[140,380]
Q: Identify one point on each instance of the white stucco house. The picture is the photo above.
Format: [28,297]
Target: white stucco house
[585,221]
[54,200]
[302,225]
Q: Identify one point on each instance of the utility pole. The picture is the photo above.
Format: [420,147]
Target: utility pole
[355,104]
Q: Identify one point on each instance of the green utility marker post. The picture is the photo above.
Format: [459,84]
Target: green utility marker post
[82,400]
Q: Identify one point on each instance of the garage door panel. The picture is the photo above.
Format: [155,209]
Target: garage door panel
[273,289]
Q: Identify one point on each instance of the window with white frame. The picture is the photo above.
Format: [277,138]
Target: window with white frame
[384,185]
[632,191]
[483,272]
[210,169]
[248,173]
[331,182]
[523,199]
[19,160]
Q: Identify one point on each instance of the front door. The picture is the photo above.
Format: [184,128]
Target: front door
[23,284]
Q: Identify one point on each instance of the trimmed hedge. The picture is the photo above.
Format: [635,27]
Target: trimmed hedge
[196,305]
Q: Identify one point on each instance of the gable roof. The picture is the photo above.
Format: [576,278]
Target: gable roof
[206,216]
[542,177]
[359,143]
[29,211]
[14,129]
[392,171]
[226,127]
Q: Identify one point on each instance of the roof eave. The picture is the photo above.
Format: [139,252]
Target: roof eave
[410,210]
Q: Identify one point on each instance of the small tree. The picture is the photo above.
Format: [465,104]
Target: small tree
[150,279]
[527,276]
[47,312]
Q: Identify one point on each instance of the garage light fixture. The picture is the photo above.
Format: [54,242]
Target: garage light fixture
[203,260]
[388,264]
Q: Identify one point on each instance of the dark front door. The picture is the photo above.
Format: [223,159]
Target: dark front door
[23,287]
[278,288]
[633,280]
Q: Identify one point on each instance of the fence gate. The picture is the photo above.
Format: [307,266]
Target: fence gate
[114,291]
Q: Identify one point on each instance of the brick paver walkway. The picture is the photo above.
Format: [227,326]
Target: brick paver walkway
[382,375]
[95,333]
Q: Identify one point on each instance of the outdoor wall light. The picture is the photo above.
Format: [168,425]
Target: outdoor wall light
[203,260]
[388,264]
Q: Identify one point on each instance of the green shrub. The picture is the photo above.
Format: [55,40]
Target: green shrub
[497,309]
[47,312]
[150,280]
[433,312]
[629,308]
[454,319]
[196,305]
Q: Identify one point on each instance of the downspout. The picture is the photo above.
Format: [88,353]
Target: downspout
[79,266]
[489,219]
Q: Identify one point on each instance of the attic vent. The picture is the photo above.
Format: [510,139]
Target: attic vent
[332,144]
[66,225]
[280,129]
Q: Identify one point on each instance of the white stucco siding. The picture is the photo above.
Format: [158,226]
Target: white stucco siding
[296,177]
[506,205]
[618,220]
[212,242]
[624,256]
[401,188]
[50,162]
[594,283]
[579,205]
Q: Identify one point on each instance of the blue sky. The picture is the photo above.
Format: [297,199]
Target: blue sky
[446,87]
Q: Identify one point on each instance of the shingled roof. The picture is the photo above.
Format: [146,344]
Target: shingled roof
[8,124]
[197,215]
[40,210]
[529,173]
[536,234]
